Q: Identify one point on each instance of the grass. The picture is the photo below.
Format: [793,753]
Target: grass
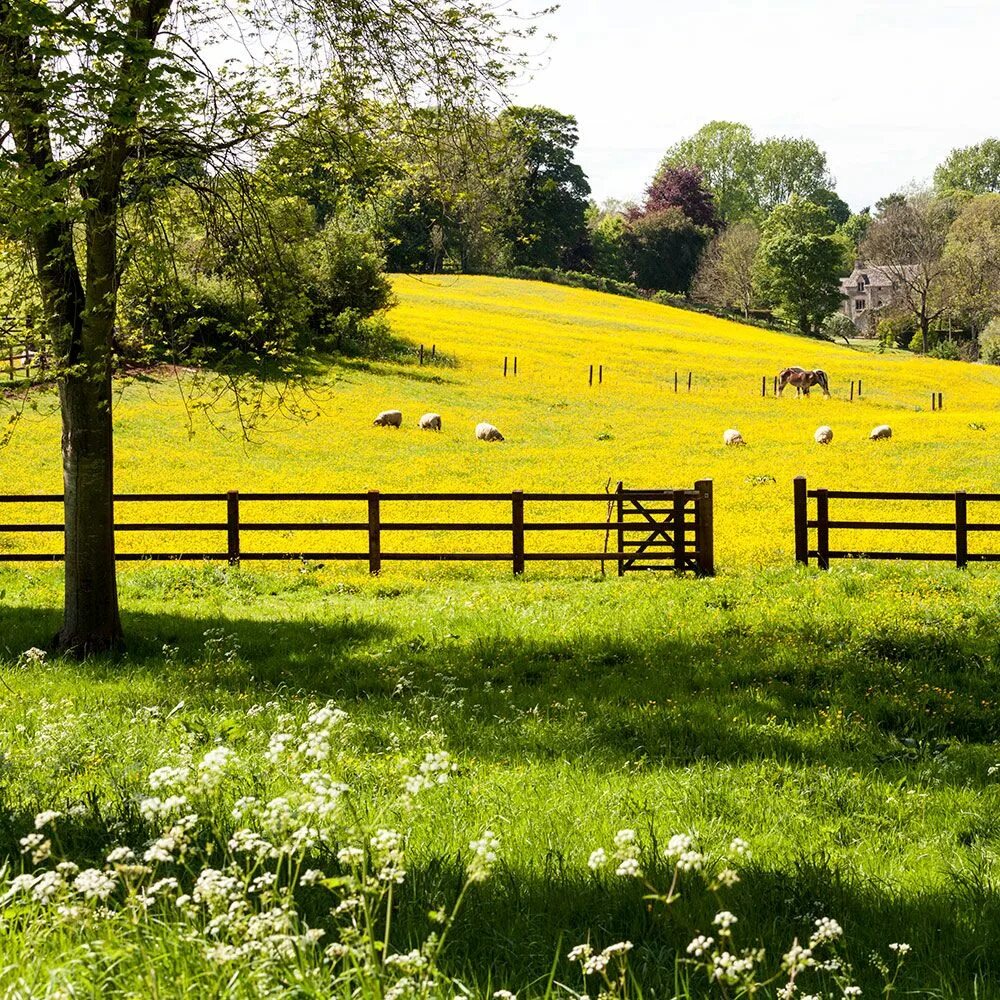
[845,724]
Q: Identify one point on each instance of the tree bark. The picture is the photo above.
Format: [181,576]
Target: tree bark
[91,621]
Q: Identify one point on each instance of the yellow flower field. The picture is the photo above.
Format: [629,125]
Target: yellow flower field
[561,434]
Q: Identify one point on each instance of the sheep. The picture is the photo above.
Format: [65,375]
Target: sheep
[823,435]
[487,432]
[881,433]
[732,437]
[430,422]
[388,418]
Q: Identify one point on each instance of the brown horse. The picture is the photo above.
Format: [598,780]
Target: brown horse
[803,379]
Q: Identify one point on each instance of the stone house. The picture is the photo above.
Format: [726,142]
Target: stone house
[869,288]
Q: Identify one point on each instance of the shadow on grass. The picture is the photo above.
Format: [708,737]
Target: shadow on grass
[515,925]
[723,697]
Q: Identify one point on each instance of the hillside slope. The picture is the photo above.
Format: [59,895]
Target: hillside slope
[562,433]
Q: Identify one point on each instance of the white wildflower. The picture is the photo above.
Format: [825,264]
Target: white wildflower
[624,837]
[900,948]
[700,945]
[311,876]
[739,847]
[724,920]
[350,855]
[727,878]
[213,766]
[94,884]
[44,818]
[580,952]
[598,859]
[169,777]
[629,868]
[797,958]
[826,930]
[484,856]
[38,845]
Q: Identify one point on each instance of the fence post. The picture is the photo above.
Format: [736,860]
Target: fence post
[517,525]
[801,521]
[505,366]
[515,364]
[591,379]
[374,534]
[675,381]
[600,374]
[852,390]
[421,353]
[961,530]
[689,381]
[859,388]
[621,531]
[822,529]
[704,529]
[233,527]
[763,386]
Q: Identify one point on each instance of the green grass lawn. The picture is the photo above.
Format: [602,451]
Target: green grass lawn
[843,724]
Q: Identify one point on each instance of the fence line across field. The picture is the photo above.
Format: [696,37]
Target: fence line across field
[823,524]
[676,527]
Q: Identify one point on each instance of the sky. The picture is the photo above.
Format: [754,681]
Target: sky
[887,88]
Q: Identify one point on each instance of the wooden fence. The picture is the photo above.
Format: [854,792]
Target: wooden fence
[960,526]
[22,350]
[654,529]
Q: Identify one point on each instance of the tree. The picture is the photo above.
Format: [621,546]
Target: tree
[748,178]
[725,154]
[800,261]
[839,210]
[726,276]
[972,256]
[856,227]
[786,167]
[663,249]
[607,228]
[683,188]
[907,242]
[548,227]
[971,169]
[103,102]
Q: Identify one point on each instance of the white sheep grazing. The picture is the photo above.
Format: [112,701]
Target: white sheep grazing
[430,422]
[732,437]
[487,432]
[823,435]
[881,433]
[388,418]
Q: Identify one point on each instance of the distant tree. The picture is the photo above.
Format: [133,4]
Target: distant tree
[549,201]
[749,178]
[663,249]
[855,228]
[907,241]
[839,210]
[785,167]
[972,255]
[683,188]
[726,275]
[725,153]
[890,201]
[800,261]
[972,169]
[607,228]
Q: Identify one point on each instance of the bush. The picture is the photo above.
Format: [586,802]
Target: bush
[895,331]
[838,326]
[989,342]
[946,350]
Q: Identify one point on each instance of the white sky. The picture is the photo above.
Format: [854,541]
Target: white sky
[886,87]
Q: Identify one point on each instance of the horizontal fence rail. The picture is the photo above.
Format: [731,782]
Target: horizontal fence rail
[822,524]
[654,529]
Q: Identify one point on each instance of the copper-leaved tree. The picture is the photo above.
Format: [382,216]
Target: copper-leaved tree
[103,98]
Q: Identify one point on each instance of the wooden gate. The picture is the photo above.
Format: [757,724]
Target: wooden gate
[666,530]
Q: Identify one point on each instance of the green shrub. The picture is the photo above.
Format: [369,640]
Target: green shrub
[895,331]
[989,342]
[946,350]
[838,326]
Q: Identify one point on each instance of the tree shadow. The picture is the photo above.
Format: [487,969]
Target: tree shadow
[881,704]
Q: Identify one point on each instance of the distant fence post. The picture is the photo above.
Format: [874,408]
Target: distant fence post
[763,386]
[590,380]
[689,381]
[233,527]
[961,530]
[621,530]
[801,521]
[515,364]
[600,374]
[517,526]
[505,366]
[675,381]
[374,534]
[704,528]
[822,529]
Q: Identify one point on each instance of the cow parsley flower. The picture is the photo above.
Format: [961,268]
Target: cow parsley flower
[94,884]
[44,818]
[598,859]
[484,856]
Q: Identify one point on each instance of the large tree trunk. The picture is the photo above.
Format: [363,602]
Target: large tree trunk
[91,622]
